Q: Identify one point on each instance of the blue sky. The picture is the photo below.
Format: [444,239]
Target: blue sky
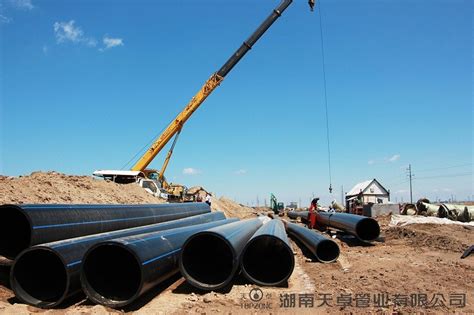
[86,84]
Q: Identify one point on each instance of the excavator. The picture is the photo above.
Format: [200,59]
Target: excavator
[154,181]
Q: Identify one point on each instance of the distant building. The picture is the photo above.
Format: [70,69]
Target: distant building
[370,191]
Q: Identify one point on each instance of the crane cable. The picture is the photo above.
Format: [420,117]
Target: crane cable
[325,96]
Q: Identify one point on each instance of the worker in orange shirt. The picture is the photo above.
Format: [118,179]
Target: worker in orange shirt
[313,209]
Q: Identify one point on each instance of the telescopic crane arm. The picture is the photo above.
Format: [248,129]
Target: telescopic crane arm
[213,82]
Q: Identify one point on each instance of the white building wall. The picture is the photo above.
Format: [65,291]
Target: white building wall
[374,189]
[373,199]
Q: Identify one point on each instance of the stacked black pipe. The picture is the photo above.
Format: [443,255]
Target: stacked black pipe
[48,242]
[60,246]
[146,260]
[22,226]
[45,275]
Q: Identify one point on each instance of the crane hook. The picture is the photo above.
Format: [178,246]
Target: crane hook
[330,188]
[311,4]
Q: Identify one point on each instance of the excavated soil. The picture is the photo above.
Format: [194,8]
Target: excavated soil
[406,264]
[232,209]
[52,187]
[453,238]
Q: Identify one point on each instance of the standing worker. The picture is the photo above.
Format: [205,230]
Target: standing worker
[313,208]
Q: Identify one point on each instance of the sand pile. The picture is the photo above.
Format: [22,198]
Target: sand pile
[232,209]
[52,187]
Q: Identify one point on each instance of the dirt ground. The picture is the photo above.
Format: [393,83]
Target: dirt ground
[406,266]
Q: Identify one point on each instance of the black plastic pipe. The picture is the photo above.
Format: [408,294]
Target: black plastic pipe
[364,228]
[210,259]
[116,272]
[298,214]
[22,226]
[324,249]
[268,259]
[45,275]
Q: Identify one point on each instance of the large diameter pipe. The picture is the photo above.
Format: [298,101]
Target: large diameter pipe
[210,259]
[424,208]
[324,249]
[45,275]
[456,212]
[116,272]
[364,228]
[338,207]
[268,259]
[22,226]
[298,214]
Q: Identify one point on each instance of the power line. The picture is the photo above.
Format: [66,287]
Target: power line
[445,176]
[444,168]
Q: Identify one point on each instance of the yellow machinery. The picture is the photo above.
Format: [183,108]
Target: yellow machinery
[174,128]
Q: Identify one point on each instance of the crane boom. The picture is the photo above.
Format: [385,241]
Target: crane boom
[209,86]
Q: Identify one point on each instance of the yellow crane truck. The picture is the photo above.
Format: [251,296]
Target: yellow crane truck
[154,181]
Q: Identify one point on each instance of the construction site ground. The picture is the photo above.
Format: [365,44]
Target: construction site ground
[411,262]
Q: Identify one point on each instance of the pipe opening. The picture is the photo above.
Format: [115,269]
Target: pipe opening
[207,260]
[267,260]
[15,232]
[368,229]
[111,273]
[327,251]
[39,278]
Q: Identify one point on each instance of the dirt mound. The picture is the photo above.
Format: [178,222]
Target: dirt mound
[445,237]
[52,187]
[232,209]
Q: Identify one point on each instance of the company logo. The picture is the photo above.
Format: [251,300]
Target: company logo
[256,294]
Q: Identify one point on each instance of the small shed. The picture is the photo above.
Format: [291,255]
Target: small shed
[370,191]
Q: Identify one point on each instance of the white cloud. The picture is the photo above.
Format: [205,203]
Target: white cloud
[112,42]
[391,159]
[191,171]
[22,4]
[401,191]
[5,19]
[394,158]
[45,49]
[69,32]
[240,172]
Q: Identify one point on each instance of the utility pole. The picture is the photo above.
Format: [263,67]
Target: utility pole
[410,176]
[342,196]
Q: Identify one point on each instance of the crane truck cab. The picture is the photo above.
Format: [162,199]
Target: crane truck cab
[150,184]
